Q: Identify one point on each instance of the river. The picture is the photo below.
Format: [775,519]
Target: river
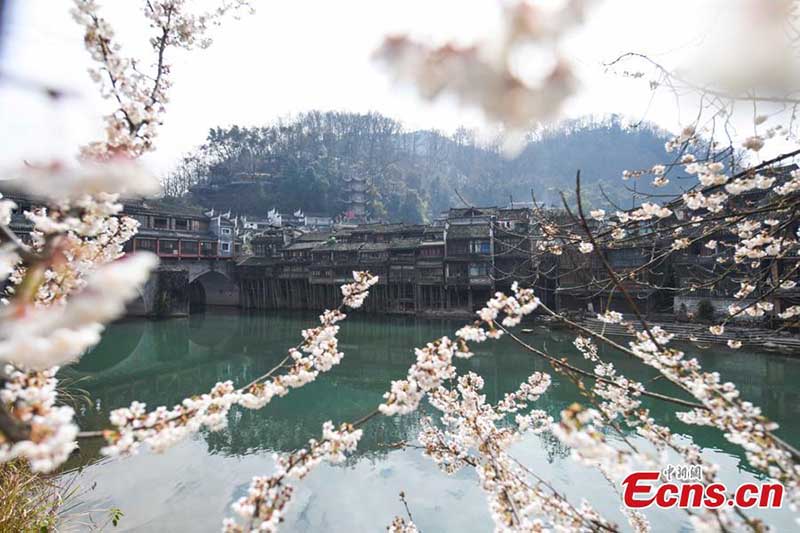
[191,486]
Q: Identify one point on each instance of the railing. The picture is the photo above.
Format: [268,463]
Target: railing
[705,260]
[176,248]
[459,278]
[430,277]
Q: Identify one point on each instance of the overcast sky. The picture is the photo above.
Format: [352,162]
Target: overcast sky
[297,55]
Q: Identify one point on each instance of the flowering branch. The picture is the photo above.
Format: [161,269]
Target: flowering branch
[63,288]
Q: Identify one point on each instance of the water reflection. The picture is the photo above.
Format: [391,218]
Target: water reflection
[163,362]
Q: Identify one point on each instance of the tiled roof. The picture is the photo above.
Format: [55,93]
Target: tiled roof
[315,236]
[518,213]
[378,228]
[172,234]
[267,237]
[466,231]
[157,207]
[346,247]
[302,246]
[460,212]
[374,247]
[257,261]
[338,246]
[397,244]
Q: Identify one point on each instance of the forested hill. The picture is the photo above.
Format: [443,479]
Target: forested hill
[301,164]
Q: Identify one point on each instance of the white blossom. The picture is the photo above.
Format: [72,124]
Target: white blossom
[610,317]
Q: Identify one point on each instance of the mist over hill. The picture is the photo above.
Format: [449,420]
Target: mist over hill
[411,176]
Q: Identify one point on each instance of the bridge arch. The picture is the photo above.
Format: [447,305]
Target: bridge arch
[140,306]
[212,288]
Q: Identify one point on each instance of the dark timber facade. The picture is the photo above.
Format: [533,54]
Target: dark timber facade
[453,265]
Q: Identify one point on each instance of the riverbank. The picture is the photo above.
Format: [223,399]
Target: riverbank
[760,339]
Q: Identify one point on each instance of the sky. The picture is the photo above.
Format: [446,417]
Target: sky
[296,55]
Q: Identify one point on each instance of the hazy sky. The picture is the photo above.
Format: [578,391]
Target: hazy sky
[297,55]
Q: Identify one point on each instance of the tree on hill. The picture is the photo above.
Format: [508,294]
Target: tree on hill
[302,164]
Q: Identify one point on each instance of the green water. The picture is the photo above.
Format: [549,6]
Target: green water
[190,487]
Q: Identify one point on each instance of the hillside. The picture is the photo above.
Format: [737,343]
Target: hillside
[412,176]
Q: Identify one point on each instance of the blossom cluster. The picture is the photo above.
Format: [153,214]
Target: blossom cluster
[140,97]
[435,361]
[50,431]
[355,293]
[76,230]
[579,429]
[484,74]
[399,525]
[433,366]
[473,435]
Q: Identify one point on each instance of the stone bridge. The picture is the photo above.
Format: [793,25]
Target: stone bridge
[180,286]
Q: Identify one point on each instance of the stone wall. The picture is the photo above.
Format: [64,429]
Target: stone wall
[689,304]
[171,298]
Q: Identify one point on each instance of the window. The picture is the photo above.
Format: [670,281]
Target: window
[168,247]
[478,270]
[146,244]
[456,270]
[189,247]
[457,247]
[208,248]
[432,251]
[429,274]
[626,257]
[181,223]
[226,231]
[226,247]
[479,247]
[160,223]
[143,220]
